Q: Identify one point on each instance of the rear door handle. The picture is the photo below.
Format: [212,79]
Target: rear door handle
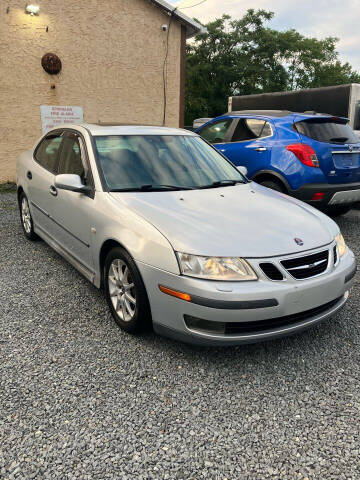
[29,175]
[53,190]
[261,149]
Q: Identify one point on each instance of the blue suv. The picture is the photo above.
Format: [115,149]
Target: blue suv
[313,157]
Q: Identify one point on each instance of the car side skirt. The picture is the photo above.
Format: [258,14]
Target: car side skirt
[88,274]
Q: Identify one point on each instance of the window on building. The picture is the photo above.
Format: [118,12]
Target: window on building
[47,152]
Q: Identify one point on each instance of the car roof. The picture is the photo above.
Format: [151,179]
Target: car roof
[104,129]
[263,113]
[280,114]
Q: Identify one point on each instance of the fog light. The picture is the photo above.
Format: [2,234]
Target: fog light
[318,196]
[204,326]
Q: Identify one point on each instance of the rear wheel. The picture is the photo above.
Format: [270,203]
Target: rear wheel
[337,210]
[26,218]
[273,184]
[125,292]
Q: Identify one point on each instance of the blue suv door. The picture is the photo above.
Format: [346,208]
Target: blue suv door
[250,144]
[247,141]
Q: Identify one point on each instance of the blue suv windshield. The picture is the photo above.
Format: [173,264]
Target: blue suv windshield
[146,162]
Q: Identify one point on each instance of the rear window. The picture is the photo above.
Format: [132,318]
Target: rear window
[327,130]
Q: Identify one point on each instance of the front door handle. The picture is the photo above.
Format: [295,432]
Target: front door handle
[29,175]
[261,149]
[53,190]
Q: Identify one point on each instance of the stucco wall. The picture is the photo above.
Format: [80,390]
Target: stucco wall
[112,54]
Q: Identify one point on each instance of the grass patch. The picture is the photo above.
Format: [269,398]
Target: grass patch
[8,187]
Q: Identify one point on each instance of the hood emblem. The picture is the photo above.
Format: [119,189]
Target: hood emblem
[299,242]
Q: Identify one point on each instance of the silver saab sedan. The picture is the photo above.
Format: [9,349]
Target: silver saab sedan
[177,236]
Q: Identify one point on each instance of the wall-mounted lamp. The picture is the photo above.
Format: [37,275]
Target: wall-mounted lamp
[32,9]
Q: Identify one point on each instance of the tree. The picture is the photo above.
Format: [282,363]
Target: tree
[244,56]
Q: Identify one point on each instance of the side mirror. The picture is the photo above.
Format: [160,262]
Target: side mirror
[71,182]
[243,170]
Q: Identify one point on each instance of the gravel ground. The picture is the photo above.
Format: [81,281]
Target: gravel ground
[81,399]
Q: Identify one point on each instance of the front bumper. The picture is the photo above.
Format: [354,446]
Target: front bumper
[334,194]
[246,302]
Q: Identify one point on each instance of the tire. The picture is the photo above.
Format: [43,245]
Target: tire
[337,210]
[128,305]
[273,184]
[26,218]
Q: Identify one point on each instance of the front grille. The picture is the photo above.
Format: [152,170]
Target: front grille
[308,266]
[247,328]
[271,271]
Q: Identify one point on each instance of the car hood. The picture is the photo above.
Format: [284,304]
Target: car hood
[245,220]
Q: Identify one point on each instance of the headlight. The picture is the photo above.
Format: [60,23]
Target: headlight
[339,239]
[216,268]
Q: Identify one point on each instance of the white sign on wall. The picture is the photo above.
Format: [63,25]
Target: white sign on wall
[55,115]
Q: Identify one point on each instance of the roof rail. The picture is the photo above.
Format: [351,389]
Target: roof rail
[270,113]
[274,113]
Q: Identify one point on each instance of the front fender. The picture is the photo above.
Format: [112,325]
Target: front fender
[140,238]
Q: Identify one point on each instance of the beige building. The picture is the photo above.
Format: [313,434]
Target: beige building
[111,54]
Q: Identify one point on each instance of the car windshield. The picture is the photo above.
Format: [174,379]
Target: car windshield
[149,162]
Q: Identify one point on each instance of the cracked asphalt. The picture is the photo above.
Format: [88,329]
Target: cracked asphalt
[80,399]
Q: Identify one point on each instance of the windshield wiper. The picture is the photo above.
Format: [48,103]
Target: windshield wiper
[148,188]
[145,188]
[222,183]
[339,139]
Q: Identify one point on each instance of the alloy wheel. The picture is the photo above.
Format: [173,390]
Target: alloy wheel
[122,290]
[25,215]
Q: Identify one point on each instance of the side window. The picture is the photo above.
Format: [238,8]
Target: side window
[47,152]
[216,132]
[251,129]
[260,128]
[71,157]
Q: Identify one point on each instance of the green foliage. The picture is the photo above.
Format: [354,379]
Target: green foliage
[244,56]
[8,187]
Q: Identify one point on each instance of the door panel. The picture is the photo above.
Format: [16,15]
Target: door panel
[40,198]
[72,212]
[254,153]
[40,178]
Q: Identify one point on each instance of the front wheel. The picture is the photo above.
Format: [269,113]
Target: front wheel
[26,218]
[125,292]
[337,210]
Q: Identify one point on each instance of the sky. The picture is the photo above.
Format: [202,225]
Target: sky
[316,18]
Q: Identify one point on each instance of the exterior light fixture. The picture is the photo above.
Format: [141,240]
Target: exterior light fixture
[32,9]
